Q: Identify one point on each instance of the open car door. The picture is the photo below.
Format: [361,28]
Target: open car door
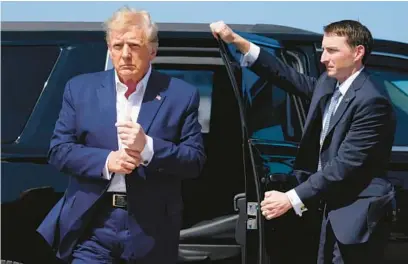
[271,127]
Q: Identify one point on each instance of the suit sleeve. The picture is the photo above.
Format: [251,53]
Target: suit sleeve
[271,68]
[66,153]
[365,144]
[186,158]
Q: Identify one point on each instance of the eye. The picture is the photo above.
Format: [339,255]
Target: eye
[134,46]
[117,46]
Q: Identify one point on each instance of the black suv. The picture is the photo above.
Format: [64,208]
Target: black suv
[250,139]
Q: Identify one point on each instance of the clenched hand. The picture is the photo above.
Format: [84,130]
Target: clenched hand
[123,161]
[132,135]
[221,29]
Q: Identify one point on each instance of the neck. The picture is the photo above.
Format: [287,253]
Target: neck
[350,73]
[129,79]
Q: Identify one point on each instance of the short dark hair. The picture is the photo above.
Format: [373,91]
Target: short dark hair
[356,33]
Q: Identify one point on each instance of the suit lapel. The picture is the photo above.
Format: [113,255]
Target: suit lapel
[106,93]
[153,98]
[327,89]
[345,102]
[348,97]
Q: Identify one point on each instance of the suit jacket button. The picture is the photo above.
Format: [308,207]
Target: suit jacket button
[160,170]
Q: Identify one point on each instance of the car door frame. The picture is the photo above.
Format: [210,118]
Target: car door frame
[256,252]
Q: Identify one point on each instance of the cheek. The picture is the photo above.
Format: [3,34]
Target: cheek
[115,59]
[141,58]
[342,61]
[338,62]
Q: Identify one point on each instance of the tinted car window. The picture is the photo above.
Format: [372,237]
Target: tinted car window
[399,79]
[24,72]
[271,111]
[203,80]
[398,92]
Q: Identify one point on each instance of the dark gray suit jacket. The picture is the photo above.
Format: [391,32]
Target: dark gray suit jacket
[355,151]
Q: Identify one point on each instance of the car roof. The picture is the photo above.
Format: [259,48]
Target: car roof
[187,30]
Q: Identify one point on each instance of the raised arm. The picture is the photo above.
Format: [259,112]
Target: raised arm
[266,65]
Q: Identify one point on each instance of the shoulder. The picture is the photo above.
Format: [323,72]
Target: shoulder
[375,88]
[88,78]
[84,85]
[373,97]
[176,87]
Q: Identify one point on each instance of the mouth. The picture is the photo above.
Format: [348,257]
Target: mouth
[126,67]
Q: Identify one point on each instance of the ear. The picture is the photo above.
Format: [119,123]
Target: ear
[153,53]
[359,52]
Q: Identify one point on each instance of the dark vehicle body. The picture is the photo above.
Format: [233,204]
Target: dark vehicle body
[250,139]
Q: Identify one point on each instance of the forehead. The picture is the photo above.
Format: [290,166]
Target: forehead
[132,33]
[332,40]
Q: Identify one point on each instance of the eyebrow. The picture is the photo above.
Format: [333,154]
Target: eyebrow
[330,47]
[130,41]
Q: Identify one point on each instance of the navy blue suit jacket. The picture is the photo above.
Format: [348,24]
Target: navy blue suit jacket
[355,151]
[85,134]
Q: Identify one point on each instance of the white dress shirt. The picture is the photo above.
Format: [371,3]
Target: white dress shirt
[128,109]
[246,61]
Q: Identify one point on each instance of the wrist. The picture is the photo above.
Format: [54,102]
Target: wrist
[235,38]
[238,41]
[144,143]
[288,204]
[242,44]
[108,161]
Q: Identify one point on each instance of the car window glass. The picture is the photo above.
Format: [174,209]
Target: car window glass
[24,73]
[398,78]
[203,81]
[271,113]
[398,92]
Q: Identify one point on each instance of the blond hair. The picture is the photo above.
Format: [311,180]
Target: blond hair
[126,17]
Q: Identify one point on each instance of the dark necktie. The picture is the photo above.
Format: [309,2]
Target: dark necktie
[330,112]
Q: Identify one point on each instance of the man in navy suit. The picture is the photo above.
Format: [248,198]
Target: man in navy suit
[127,137]
[346,143]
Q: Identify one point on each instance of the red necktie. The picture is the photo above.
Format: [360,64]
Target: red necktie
[131,88]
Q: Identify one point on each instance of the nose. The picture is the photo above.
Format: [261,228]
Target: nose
[324,58]
[126,51]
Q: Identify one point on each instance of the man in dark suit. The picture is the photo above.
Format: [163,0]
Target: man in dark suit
[127,137]
[345,147]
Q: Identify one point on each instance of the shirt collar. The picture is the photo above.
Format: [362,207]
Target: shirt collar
[142,83]
[347,83]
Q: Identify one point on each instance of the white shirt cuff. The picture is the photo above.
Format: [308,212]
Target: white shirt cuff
[105,171]
[148,151]
[251,56]
[297,204]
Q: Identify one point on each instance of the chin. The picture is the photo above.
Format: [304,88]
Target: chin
[126,73]
[331,73]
